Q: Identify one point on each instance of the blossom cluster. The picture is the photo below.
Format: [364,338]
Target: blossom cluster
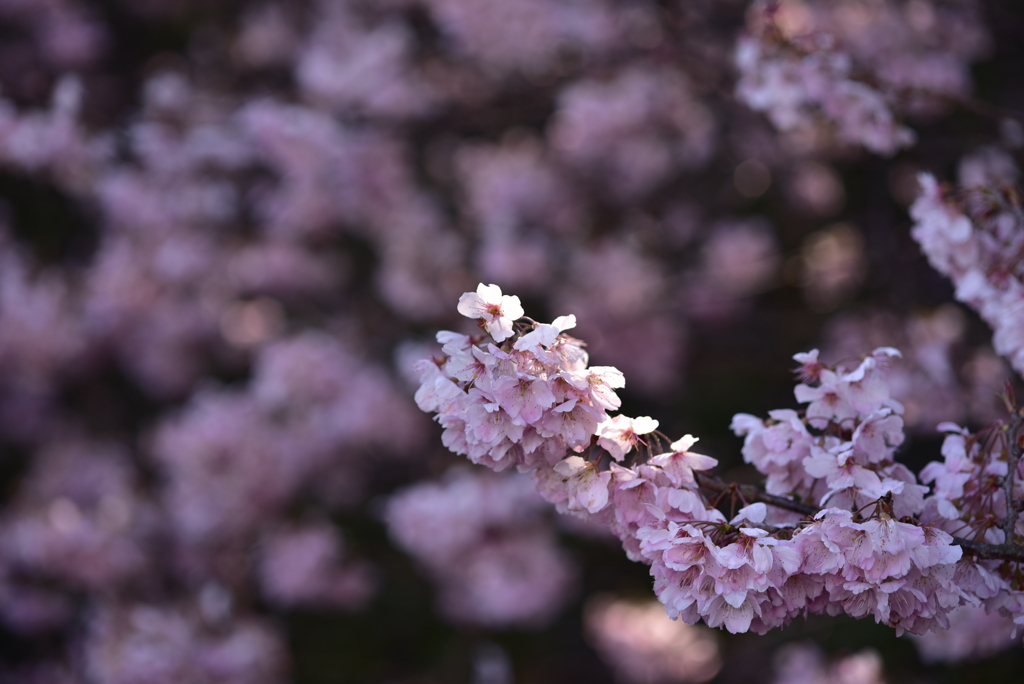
[230,463]
[799,84]
[864,554]
[973,634]
[644,648]
[485,543]
[973,234]
[521,405]
[840,451]
[931,381]
[854,70]
[804,663]
[976,493]
[798,89]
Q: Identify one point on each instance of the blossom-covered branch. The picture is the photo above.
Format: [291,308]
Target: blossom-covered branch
[880,545]
[974,234]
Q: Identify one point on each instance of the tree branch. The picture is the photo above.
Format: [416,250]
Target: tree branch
[1013,453]
[753,493]
[983,551]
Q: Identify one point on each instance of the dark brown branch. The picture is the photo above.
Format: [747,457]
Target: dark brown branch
[977,106]
[983,551]
[752,493]
[1013,453]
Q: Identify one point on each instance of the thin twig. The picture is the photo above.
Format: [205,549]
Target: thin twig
[1013,454]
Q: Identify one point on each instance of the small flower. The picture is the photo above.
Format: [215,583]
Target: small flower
[543,336]
[587,487]
[524,398]
[497,311]
[680,463]
[810,366]
[603,381]
[620,434]
[829,401]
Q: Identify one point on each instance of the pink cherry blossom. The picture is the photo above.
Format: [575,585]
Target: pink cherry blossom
[544,336]
[574,421]
[523,397]
[621,434]
[810,367]
[587,488]
[603,381]
[829,401]
[680,463]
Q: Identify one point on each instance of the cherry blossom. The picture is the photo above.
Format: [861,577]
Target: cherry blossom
[680,463]
[544,336]
[621,434]
[495,311]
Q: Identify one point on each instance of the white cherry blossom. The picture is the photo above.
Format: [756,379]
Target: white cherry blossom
[495,310]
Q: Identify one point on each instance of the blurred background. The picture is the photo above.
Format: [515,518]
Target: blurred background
[228,229]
